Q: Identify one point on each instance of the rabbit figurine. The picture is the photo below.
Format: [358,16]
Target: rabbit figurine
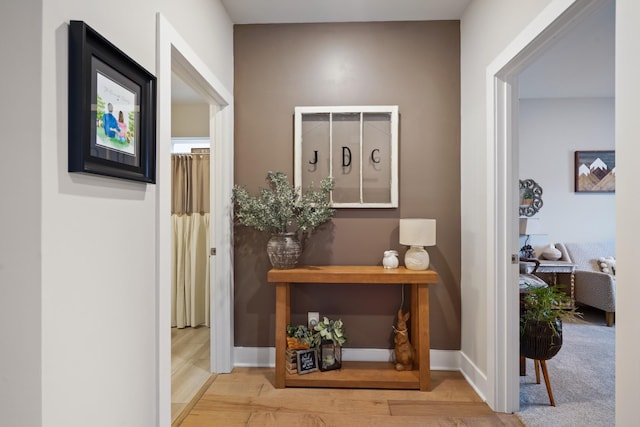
[404,351]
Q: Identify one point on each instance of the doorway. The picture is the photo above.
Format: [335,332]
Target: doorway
[566,104]
[503,75]
[190,229]
[174,56]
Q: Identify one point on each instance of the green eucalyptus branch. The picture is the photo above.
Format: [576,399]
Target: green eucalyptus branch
[282,207]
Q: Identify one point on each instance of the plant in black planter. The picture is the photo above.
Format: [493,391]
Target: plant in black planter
[543,310]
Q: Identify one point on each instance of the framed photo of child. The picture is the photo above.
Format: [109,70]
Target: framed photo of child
[111,109]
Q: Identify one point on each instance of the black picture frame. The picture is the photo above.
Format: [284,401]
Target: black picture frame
[307,361]
[595,171]
[105,87]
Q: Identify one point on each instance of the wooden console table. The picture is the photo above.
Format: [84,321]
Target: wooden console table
[357,374]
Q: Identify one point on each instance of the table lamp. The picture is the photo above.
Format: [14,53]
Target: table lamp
[529,226]
[417,233]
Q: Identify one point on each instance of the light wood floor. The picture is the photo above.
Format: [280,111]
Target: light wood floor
[246,397]
[190,361]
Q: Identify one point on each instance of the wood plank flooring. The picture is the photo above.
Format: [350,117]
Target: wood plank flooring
[190,361]
[247,398]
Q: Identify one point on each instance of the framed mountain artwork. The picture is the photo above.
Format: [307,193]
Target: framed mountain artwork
[595,171]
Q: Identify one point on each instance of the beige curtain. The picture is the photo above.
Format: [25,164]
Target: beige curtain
[190,219]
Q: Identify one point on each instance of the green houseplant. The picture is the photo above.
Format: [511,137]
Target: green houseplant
[543,310]
[299,337]
[287,212]
[327,336]
[527,196]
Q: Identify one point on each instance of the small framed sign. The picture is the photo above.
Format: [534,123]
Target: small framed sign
[307,361]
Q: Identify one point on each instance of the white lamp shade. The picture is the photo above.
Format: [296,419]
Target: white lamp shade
[417,232]
[530,226]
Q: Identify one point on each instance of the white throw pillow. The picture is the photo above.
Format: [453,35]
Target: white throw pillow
[607,264]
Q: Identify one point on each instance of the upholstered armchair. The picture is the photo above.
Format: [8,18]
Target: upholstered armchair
[593,287]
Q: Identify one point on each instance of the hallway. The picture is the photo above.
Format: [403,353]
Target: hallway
[189,365]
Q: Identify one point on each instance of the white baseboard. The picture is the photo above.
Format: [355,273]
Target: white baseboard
[474,376]
[254,357]
[445,360]
[441,360]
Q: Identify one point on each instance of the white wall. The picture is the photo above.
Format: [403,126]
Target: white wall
[205,25]
[551,130]
[627,211]
[478,37]
[486,29]
[20,214]
[78,296]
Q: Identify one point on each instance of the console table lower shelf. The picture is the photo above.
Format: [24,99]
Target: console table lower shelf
[358,375]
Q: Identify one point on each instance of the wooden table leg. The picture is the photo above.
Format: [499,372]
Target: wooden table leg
[283,313]
[423,338]
[573,289]
[415,321]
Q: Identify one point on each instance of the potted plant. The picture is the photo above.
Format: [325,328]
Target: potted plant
[329,338]
[287,212]
[542,313]
[527,197]
[299,337]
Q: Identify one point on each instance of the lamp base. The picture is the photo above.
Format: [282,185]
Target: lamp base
[416,258]
[527,252]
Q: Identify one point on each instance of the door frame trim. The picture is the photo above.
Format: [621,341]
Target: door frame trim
[554,21]
[173,53]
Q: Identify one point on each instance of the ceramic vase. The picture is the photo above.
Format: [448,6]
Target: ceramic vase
[284,249]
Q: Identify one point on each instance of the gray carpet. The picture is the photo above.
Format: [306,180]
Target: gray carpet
[582,378]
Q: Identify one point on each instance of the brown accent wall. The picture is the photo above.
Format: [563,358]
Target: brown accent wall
[415,65]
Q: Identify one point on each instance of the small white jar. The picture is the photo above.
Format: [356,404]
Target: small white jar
[390,259]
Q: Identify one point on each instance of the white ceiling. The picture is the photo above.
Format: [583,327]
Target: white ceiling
[580,64]
[304,11]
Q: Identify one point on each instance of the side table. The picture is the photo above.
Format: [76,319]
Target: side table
[558,267]
[554,268]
